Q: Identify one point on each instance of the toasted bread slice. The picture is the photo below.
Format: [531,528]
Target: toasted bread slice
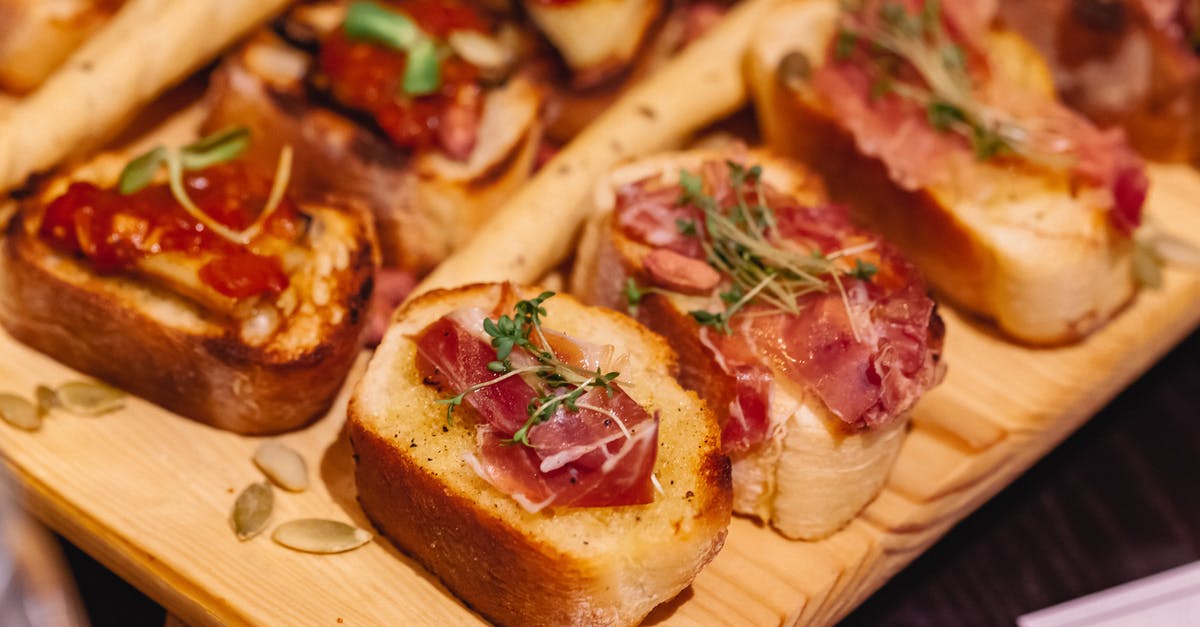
[562,565]
[1027,248]
[239,367]
[36,37]
[813,474]
[425,206]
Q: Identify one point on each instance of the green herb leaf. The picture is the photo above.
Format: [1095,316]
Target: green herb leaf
[943,115]
[710,319]
[863,270]
[844,45]
[686,227]
[422,70]
[633,296]
[141,171]
[367,21]
[693,188]
[219,147]
[987,143]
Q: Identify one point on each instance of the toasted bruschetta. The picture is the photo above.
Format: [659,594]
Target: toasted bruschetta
[946,135]
[811,338]
[243,310]
[537,456]
[431,160]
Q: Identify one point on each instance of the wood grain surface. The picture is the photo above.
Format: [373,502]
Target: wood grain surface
[1115,502]
[148,493]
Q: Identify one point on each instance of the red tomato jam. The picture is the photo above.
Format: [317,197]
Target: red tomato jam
[114,231]
[369,76]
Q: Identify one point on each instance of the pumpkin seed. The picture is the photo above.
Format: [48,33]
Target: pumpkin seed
[317,535]
[89,398]
[282,465]
[19,412]
[252,509]
[47,399]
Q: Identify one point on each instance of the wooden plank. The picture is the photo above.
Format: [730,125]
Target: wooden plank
[148,493]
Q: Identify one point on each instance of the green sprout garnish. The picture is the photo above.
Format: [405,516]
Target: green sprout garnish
[741,244]
[219,147]
[559,385]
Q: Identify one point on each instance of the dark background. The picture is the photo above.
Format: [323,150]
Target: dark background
[1117,501]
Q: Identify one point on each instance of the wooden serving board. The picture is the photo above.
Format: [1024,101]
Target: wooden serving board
[148,493]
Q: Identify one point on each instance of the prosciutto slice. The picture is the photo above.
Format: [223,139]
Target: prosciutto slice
[599,456]
[868,356]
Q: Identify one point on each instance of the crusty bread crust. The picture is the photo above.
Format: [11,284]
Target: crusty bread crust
[1037,256]
[591,566]
[168,349]
[426,206]
[812,476]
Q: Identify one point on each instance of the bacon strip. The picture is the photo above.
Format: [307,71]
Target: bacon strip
[599,456]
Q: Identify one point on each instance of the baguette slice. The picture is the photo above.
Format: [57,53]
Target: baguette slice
[814,473]
[1030,249]
[258,366]
[425,206]
[561,566]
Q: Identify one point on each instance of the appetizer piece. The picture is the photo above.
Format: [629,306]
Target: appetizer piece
[213,293]
[37,36]
[946,135]
[811,339]
[536,455]
[1129,63]
[412,106]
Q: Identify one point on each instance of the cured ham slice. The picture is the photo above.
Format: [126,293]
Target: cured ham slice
[599,454]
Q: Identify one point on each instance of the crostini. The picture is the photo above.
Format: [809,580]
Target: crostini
[945,134]
[416,107]
[537,456]
[1129,63]
[210,291]
[810,338]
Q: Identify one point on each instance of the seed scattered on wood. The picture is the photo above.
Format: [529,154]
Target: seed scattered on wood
[252,510]
[317,535]
[47,399]
[89,398]
[19,412]
[282,465]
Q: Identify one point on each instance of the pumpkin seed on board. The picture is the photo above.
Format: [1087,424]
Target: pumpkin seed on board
[19,412]
[89,398]
[317,535]
[47,399]
[252,510]
[282,465]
